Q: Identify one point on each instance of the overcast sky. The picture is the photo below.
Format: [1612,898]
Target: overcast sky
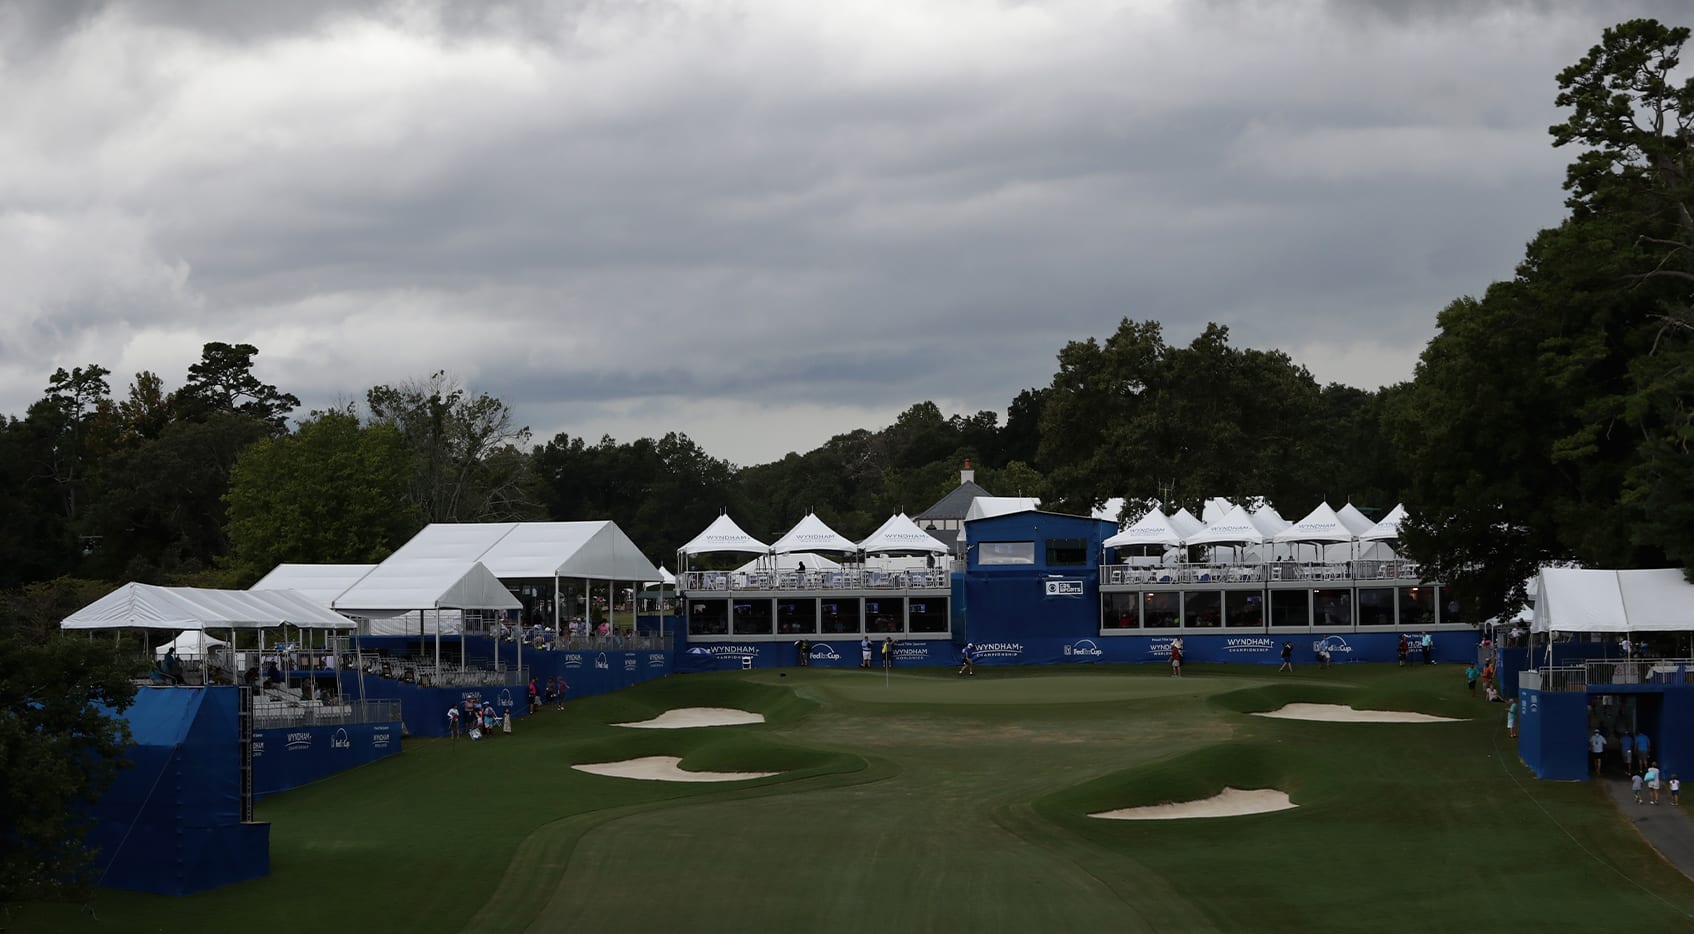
[758,223]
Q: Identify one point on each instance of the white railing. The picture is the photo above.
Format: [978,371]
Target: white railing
[1274,572]
[859,579]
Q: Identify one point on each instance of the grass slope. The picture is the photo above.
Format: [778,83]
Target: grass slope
[926,801]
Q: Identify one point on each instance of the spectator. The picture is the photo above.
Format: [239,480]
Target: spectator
[173,666]
[1626,745]
[453,722]
[1596,748]
[1427,645]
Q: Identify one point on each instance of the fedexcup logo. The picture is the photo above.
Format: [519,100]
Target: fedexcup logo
[1336,645]
[505,699]
[601,662]
[1248,645]
[340,740]
[1084,648]
[999,649]
[826,652]
[299,741]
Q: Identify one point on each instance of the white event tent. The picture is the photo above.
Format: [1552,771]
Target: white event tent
[1355,521]
[147,606]
[791,561]
[900,535]
[811,534]
[1234,528]
[723,535]
[1185,523]
[1215,508]
[1386,530]
[985,507]
[190,645]
[1585,600]
[1151,531]
[1319,528]
[322,583]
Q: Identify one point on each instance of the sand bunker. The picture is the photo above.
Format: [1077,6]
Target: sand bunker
[686,717]
[1336,713]
[1231,802]
[664,769]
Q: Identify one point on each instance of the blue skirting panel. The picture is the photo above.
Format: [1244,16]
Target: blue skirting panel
[1553,734]
[289,758]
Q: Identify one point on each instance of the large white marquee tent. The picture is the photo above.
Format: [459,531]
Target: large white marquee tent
[1575,600]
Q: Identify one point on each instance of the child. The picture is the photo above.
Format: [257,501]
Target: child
[1675,790]
[1635,786]
[1470,678]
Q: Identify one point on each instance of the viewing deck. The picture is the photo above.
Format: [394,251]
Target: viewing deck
[928,581]
[1610,675]
[1346,573]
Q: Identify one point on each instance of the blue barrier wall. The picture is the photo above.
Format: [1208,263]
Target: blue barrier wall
[1553,734]
[171,822]
[291,757]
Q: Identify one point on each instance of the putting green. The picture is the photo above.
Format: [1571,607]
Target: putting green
[925,801]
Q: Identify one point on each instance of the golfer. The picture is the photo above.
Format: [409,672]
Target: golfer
[865,652]
[966,667]
[1287,657]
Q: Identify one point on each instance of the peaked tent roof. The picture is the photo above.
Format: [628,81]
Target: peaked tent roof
[192,643]
[320,583]
[1355,521]
[1234,528]
[1215,508]
[791,561]
[1320,525]
[423,581]
[901,534]
[597,550]
[146,606]
[723,535]
[1110,511]
[812,534]
[1584,600]
[956,503]
[986,507]
[665,577]
[1267,520]
[1185,523]
[1152,529]
[1388,528]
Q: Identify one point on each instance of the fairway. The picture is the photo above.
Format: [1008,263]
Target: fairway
[922,800]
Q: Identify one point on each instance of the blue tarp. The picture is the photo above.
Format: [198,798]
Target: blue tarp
[171,822]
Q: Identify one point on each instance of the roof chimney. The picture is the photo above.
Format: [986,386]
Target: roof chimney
[967,475]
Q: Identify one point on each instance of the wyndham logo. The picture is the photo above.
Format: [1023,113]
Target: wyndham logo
[1064,588]
[474,697]
[601,662]
[299,741]
[1248,645]
[1161,647]
[340,740]
[911,652]
[826,652]
[998,649]
[1083,648]
[734,650]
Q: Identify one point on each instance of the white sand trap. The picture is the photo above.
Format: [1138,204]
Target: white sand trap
[685,717]
[1231,802]
[664,769]
[1337,713]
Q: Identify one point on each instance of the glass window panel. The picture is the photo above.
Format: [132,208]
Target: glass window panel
[1119,610]
[1244,608]
[841,615]
[1202,609]
[927,615]
[1290,607]
[885,614]
[1162,610]
[796,616]
[708,617]
[750,618]
[1333,608]
[1452,611]
[1067,552]
[1376,606]
[1417,607]
[1006,553]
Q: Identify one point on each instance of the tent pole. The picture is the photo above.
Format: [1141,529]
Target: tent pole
[438,639]
[558,632]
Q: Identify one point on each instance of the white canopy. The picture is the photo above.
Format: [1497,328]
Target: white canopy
[665,578]
[1583,600]
[985,507]
[1215,508]
[597,550]
[791,561]
[1235,528]
[901,534]
[194,643]
[1320,525]
[1388,528]
[812,534]
[1355,521]
[724,535]
[412,579]
[1185,523]
[320,583]
[1268,521]
[1152,529]
[1110,511]
[146,606]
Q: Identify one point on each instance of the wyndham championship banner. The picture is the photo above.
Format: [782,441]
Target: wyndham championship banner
[1253,648]
[289,757]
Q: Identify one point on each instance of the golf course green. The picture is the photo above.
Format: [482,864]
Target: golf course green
[921,801]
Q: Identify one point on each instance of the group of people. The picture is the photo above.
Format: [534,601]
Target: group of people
[476,722]
[1486,672]
[1425,645]
[1650,777]
[550,693]
[887,652]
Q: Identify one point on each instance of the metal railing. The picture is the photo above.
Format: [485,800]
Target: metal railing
[927,579]
[1615,671]
[1344,572]
[270,715]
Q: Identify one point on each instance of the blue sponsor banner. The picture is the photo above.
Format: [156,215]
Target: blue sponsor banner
[289,757]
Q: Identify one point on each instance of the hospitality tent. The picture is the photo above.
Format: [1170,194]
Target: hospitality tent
[723,535]
[1386,530]
[1587,600]
[1185,523]
[437,587]
[1320,527]
[811,534]
[792,561]
[1234,528]
[147,606]
[900,535]
[1153,530]
[321,583]
[1110,511]
[1215,508]
[1355,521]
[195,643]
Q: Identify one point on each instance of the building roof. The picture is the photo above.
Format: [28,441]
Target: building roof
[954,505]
